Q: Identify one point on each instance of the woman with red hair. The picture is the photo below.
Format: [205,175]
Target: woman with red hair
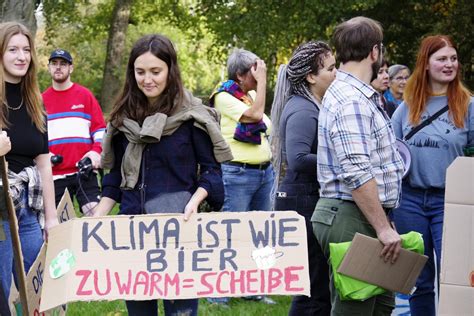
[434,85]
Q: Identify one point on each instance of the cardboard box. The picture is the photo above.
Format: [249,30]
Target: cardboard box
[363,262]
[460,181]
[457,256]
[456,300]
[160,256]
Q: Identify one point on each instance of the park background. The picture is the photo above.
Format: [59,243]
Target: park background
[100,33]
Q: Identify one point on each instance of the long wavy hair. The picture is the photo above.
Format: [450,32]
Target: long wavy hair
[29,83]
[418,90]
[132,102]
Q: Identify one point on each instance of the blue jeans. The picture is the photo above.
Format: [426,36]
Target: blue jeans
[4,308]
[245,190]
[31,239]
[172,307]
[423,211]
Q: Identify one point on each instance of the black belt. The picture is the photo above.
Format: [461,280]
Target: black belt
[387,210]
[261,166]
[430,190]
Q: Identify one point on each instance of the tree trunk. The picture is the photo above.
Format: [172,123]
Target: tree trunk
[111,82]
[22,11]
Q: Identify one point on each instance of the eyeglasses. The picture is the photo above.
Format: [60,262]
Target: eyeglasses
[61,64]
[400,78]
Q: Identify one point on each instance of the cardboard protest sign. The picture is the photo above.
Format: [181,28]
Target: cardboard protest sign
[34,278]
[34,287]
[65,208]
[161,256]
[363,262]
[457,265]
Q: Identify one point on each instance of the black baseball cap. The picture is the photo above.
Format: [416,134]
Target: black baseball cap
[61,53]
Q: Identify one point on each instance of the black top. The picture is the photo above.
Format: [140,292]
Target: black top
[388,106]
[299,139]
[27,141]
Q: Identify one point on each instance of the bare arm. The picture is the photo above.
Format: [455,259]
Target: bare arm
[194,202]
[105,205]
[366,198]
[43,164]
[256,110]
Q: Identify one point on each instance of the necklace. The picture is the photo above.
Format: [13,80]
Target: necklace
[14,108]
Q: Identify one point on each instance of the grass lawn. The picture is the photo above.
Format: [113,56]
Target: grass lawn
[237,307]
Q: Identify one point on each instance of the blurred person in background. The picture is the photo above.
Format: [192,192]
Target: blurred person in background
[398,76]
[248,178]
[75,130]
[381,84]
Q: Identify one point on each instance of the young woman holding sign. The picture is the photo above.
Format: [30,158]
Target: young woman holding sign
[24,142]
[154,149]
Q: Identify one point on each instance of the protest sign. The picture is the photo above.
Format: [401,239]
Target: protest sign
[35,277]
[162,256]
[457,262]
[65,208]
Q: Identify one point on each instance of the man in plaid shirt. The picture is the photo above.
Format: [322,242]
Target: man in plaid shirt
[359,168]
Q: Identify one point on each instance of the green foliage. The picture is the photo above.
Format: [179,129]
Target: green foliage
[273,29]
[82,28]
[237,307]
[204,31]
[78,27]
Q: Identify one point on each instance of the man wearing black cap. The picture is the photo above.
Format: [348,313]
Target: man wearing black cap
[75,130]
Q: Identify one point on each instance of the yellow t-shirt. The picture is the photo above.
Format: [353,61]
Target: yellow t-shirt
[231,110]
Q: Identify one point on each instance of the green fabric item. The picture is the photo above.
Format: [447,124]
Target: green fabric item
[352,289]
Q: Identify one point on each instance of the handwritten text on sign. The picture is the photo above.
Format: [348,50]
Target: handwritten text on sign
[161,256]
[34,278]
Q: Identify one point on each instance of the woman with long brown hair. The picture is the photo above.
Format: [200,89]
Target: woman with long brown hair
[160,159]
[22,118]
[434,86]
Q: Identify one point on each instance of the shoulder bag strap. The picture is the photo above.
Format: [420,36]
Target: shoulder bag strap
[425,123]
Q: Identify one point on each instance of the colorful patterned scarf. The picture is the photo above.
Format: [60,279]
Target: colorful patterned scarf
[244,132]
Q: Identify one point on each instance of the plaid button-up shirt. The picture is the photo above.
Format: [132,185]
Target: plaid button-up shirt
[356,143]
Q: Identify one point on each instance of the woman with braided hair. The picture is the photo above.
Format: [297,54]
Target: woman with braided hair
[298,93]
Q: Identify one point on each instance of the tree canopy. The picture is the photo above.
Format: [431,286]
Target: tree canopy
[204,31]
[272,29]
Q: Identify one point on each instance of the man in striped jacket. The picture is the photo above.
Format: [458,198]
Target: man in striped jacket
[75,130]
